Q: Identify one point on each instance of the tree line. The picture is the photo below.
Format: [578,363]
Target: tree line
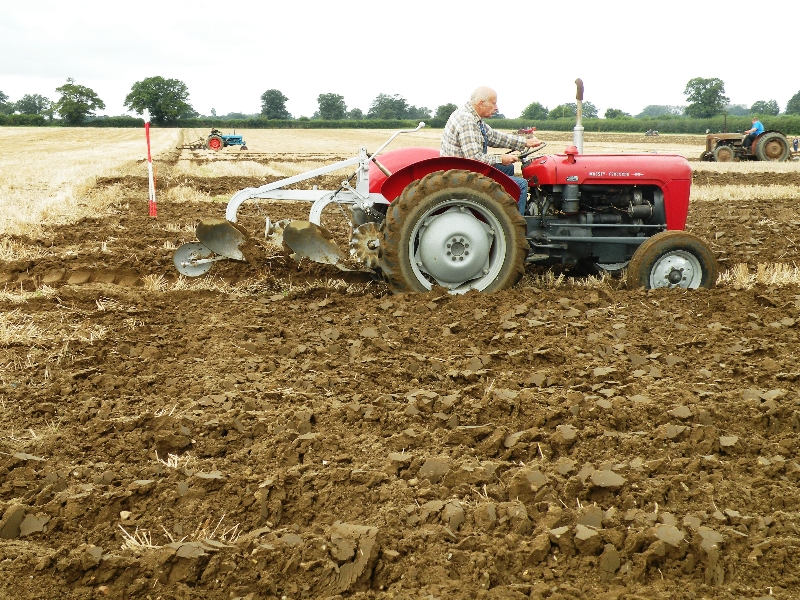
[167,101]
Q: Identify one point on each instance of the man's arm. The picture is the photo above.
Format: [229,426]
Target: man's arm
[498,139]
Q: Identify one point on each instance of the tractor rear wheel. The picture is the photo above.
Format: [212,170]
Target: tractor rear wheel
[773,146]
[214,142]
[672,259]
[457,229]
[724,153]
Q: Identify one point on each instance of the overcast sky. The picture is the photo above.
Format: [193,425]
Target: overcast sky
[629,54]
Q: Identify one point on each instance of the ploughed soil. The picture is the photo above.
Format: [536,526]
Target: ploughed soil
[284,434]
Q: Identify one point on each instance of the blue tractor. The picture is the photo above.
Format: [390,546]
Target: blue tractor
[217,140]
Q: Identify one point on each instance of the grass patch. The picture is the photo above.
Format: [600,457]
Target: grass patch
[772,275]
[51,180]
[18,328]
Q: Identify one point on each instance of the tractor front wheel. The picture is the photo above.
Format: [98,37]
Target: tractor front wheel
[672,259]
[724,153]
[214,142]
[457,229]
[773,146]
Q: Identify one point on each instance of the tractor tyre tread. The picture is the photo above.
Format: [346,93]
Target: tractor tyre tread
[772,137]
[724,153]
[415,200]
[646,255]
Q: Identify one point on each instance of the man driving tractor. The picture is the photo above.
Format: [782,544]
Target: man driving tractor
[752,133]
[466,135]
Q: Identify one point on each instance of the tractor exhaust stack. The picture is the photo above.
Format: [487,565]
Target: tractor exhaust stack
[577,133]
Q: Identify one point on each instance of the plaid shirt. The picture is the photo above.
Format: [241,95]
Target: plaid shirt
[462,137]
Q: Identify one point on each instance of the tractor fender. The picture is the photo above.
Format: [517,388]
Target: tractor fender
[394,160]
[399,180]
[754,144]
[765,132]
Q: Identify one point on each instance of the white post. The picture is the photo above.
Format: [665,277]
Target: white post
[153,209]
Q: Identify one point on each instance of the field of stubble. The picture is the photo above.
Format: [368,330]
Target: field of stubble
[273,431]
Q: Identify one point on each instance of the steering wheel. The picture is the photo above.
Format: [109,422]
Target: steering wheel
[526,153]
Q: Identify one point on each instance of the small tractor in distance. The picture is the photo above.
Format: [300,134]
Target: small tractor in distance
[421,220]
[727,147]
[217,140]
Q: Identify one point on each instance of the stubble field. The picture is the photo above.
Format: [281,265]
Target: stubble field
[274,431]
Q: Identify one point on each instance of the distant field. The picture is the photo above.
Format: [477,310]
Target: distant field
[348,141]
[47,175]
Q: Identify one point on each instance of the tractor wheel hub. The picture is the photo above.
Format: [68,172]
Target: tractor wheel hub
[676,269]
[453,246]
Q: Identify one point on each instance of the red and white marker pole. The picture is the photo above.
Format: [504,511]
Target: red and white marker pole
[152,185]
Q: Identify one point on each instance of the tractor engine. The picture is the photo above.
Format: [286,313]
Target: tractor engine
[597,209]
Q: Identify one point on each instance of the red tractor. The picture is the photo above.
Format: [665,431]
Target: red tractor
[422,220]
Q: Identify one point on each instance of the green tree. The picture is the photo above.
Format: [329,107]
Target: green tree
[615,113]
[570,109]
[563,110]
[534,111]
[706,97]
[765,108]
[273,105]
[231,116]
[445,110]
[421,112]
[34,104]
[76,102]
[388,107]
[659,110]
[331,107]
[6,107]
[793,106]
[166,99]
[356,114]
[737,110]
